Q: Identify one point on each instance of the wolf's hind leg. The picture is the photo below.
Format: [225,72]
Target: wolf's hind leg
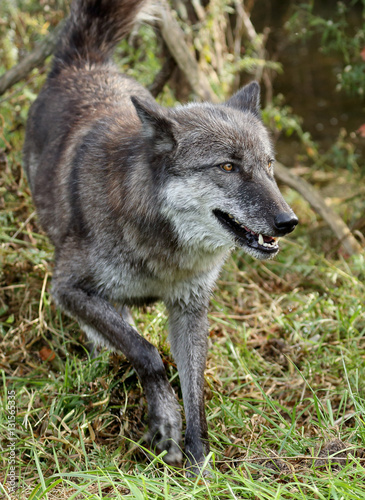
[127,315]
[103,323]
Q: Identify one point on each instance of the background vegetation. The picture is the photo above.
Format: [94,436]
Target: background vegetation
[285,374]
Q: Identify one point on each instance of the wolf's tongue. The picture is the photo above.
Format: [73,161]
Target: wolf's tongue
[268,239]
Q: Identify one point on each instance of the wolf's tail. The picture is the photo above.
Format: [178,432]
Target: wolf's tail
[93,29]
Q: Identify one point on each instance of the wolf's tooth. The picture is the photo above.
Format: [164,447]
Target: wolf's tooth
[261,239]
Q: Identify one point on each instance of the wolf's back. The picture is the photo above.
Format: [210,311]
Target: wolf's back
[92,30]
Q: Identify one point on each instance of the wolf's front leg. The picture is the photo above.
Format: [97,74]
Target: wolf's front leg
[189,340]
[103,324]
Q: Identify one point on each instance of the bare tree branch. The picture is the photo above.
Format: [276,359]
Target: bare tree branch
[35,58]
[343,233]
[162,76]
[175,40]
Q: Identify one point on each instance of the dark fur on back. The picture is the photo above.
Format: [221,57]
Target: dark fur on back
[145,203]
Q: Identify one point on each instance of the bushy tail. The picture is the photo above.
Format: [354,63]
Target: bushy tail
[93,29]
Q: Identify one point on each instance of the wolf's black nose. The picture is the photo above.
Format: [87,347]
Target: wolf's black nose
[285,222]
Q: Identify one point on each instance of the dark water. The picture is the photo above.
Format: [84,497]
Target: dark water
[309,79]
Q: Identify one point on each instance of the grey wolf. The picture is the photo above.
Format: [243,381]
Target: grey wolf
[145,203]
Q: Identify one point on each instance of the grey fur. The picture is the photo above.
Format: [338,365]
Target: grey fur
[139,207]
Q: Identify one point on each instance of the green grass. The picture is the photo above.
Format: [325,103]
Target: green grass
[284,378]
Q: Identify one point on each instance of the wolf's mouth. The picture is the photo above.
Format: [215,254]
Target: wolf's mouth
[244,235]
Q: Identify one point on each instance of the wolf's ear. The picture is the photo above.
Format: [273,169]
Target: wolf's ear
[247,99]
[157,125]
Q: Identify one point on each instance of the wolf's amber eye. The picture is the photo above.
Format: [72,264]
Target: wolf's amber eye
[227,167]
[269,163]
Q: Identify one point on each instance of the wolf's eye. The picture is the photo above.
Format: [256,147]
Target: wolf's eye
[227,167]
[269,164]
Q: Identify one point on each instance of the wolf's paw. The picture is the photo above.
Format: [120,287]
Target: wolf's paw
[166,435]
[164,421]
[192,471]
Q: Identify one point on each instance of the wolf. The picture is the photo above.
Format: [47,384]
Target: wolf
[144,203]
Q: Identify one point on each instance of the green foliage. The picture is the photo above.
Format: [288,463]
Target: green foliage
[279,117]
[250,65]
[140,59]
[342,153]
[340,34]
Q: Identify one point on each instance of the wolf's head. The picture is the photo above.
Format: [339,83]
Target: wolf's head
[216,173]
